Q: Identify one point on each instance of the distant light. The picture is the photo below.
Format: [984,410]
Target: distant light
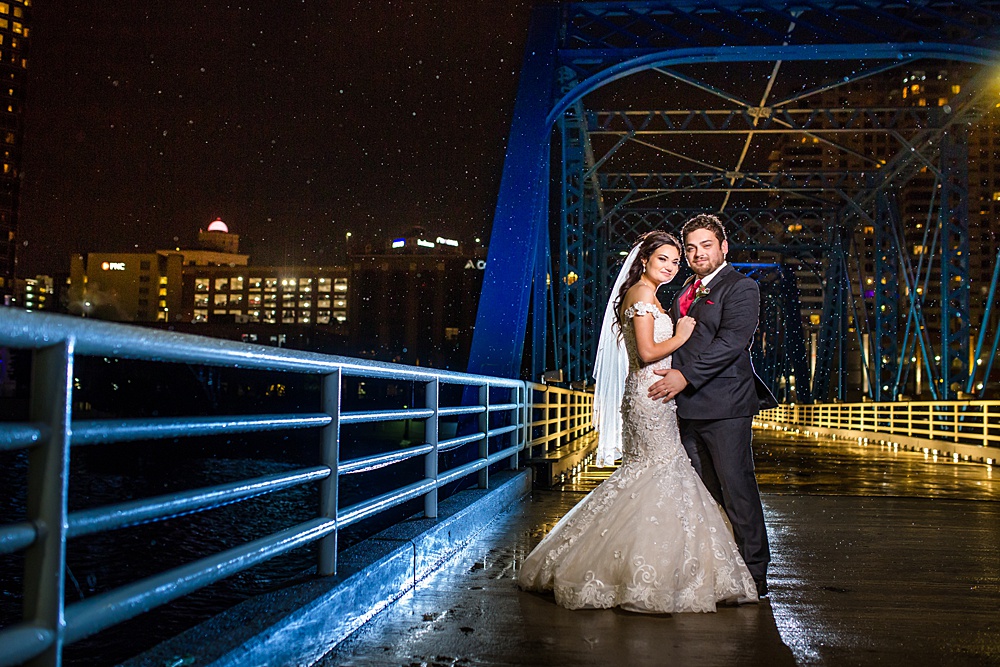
[218,225]
[398,243]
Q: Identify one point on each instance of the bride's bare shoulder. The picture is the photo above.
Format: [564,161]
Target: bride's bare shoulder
[640,292]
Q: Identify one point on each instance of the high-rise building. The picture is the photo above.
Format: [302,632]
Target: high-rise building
[915,199]
[14,20]
[414,298]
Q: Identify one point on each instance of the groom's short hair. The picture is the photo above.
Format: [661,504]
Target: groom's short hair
[704,221]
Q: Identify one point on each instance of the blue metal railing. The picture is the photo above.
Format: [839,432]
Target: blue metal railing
[50,433]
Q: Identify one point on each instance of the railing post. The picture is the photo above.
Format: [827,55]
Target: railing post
[515,435]
[432,397]
[330,454]
[527,398]
[48,486]
[986,424]
[484,427]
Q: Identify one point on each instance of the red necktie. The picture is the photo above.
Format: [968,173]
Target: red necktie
[688,297]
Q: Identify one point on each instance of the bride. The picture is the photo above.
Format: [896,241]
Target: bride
[650,538]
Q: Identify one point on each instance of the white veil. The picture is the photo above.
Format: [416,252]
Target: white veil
[610,371]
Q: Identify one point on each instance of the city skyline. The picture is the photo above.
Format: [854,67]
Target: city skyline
[143,125]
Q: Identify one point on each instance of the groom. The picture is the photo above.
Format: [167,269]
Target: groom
[716,388]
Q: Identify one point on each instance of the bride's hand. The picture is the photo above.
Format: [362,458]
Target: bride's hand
[685,327]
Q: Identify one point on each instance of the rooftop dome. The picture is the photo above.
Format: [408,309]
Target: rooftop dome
[218,225]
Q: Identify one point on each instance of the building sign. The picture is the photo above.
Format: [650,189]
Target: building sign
[398,243]
[113,266]
[444,241]
[478,264]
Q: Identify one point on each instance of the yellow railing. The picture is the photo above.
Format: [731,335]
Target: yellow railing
[966,429]
[558,416]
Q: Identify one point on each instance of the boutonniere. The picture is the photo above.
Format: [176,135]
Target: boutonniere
[701,292]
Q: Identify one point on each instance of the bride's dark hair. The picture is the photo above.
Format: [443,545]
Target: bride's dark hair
[648,243]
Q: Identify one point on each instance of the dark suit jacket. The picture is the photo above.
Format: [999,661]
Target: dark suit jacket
[716,359]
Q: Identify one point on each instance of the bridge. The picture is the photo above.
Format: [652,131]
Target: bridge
[268,506]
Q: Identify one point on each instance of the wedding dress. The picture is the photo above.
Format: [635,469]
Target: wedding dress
[650,538]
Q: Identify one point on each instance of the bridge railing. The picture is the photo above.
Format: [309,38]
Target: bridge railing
[966,429]
[558,417]
[501,422]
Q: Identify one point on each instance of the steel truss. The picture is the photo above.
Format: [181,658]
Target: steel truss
[614,186]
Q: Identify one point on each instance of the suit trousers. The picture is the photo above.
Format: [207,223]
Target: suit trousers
[720,451]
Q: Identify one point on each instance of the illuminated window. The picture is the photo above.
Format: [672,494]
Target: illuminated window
[19,29]
[323,302]
[340,303]
[270,284]
[163,291]
[340,316]
[322,317]
[922,102]
[255,283]
[236,284]
[451,333]
[163,280]
[942,101]
[271,299]
[956,89]
[869,230]
[201,300]
[340,284]
[814,319]
[221,299]
[269,316]
[254,300]
[200,316]
[201,284]
[221,284]
[4,8]
[288,317]
[325,284]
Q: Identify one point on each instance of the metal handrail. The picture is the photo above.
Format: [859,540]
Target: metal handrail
[969,423]
[56,341]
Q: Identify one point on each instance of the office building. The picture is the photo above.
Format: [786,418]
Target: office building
[15,18]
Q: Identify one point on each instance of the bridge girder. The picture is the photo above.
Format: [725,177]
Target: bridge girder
[578,51]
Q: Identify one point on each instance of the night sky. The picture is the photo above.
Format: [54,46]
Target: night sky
[294,121]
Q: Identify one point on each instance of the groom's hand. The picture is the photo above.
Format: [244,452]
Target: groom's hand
[673,383]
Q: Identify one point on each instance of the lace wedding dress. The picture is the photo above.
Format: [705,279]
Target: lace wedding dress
[650,538]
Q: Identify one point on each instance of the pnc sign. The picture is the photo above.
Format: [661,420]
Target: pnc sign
[112,266]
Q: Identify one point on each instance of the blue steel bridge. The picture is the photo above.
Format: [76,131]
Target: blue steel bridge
[330,510]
